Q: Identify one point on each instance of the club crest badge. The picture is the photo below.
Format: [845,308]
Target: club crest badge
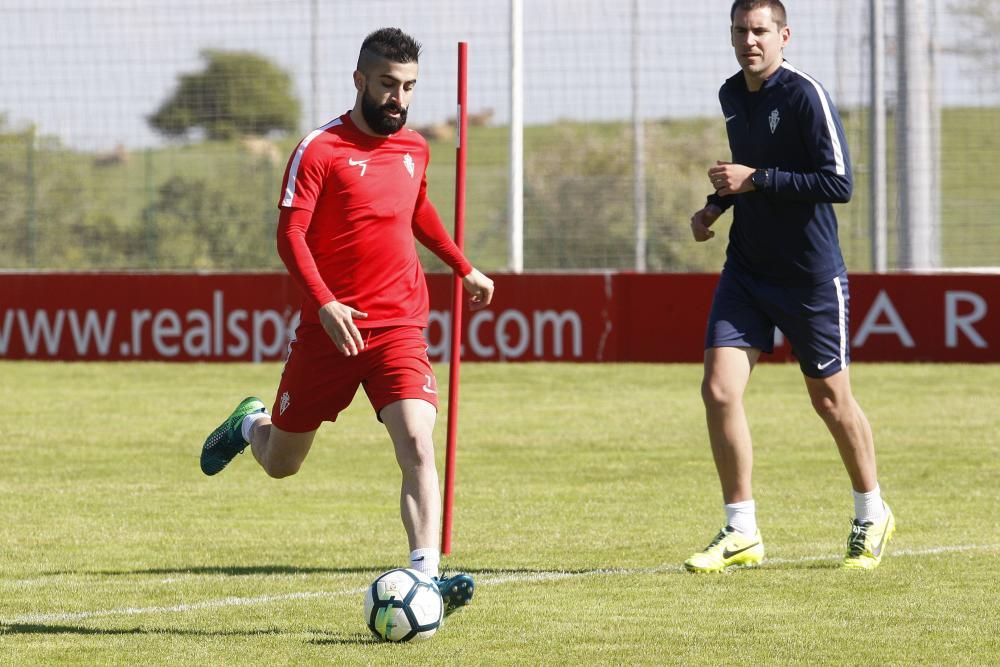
[408,163]
[773,120]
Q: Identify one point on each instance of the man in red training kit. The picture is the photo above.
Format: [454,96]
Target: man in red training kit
[354,198]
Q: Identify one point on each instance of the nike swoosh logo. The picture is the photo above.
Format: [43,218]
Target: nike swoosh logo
[726,553]
[823,366]
[729,118]
[359,163]
[878,549]
[429,386]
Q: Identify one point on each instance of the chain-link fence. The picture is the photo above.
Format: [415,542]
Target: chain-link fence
[132,135]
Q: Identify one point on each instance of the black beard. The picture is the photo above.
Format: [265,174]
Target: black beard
[378,117]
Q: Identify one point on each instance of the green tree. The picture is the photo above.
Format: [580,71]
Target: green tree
[237,93]
[43,219]
[578,208]
[574,214]
[213,224]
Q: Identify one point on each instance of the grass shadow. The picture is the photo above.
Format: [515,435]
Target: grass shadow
[45,629]
[251,570]
[226,570]
[355,639]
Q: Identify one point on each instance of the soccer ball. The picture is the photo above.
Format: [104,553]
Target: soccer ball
[402,605]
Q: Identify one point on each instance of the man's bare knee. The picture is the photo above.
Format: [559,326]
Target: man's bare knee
[826,407]
[716,394]
[283,453]
[282,468]
[415,452]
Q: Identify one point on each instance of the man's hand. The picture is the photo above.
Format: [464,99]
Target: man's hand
[702,220]
[338,321]
[480,288]
[729,178]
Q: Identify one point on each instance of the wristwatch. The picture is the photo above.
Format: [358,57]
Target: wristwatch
[760,179]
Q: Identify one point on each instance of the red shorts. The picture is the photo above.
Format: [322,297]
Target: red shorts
[318,381]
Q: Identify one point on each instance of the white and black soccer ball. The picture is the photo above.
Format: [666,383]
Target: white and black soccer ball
[402,605]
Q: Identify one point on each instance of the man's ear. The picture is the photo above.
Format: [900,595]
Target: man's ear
[359,80]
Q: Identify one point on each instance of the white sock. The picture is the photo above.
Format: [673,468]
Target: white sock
[742,517]
[246,428]
[869,506]
[426,560]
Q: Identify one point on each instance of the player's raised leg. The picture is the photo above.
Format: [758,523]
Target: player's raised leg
[410,423]
[873,523]
[227,440]
[280,453]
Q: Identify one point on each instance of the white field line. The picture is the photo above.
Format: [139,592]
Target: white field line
[489,579]
[195,606]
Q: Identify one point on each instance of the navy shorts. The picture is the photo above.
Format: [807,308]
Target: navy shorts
[746,310]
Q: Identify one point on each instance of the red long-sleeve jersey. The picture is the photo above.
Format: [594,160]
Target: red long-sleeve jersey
[351,206]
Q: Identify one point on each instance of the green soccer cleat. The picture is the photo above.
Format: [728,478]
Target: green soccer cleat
[867,542]
[729,549]
[456,591]
[227,441]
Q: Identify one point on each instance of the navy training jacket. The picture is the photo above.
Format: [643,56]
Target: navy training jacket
[786,233]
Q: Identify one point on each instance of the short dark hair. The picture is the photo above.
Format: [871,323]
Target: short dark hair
[388,44]
[777,9]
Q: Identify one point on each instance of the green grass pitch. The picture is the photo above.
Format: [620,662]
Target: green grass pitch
[580,491]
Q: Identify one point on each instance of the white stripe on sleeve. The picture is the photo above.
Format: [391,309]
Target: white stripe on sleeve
[838,151]
[294,169]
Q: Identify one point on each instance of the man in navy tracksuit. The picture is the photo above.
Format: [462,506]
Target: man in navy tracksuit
[783,269]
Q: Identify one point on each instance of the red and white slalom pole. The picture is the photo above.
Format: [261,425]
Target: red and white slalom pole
[456,303]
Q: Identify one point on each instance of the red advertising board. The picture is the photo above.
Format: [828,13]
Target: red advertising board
[534,317]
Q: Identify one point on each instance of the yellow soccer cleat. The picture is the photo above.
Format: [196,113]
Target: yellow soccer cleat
[867,542]
[729,549]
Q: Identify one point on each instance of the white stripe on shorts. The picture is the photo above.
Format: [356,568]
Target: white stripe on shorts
[841,322]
